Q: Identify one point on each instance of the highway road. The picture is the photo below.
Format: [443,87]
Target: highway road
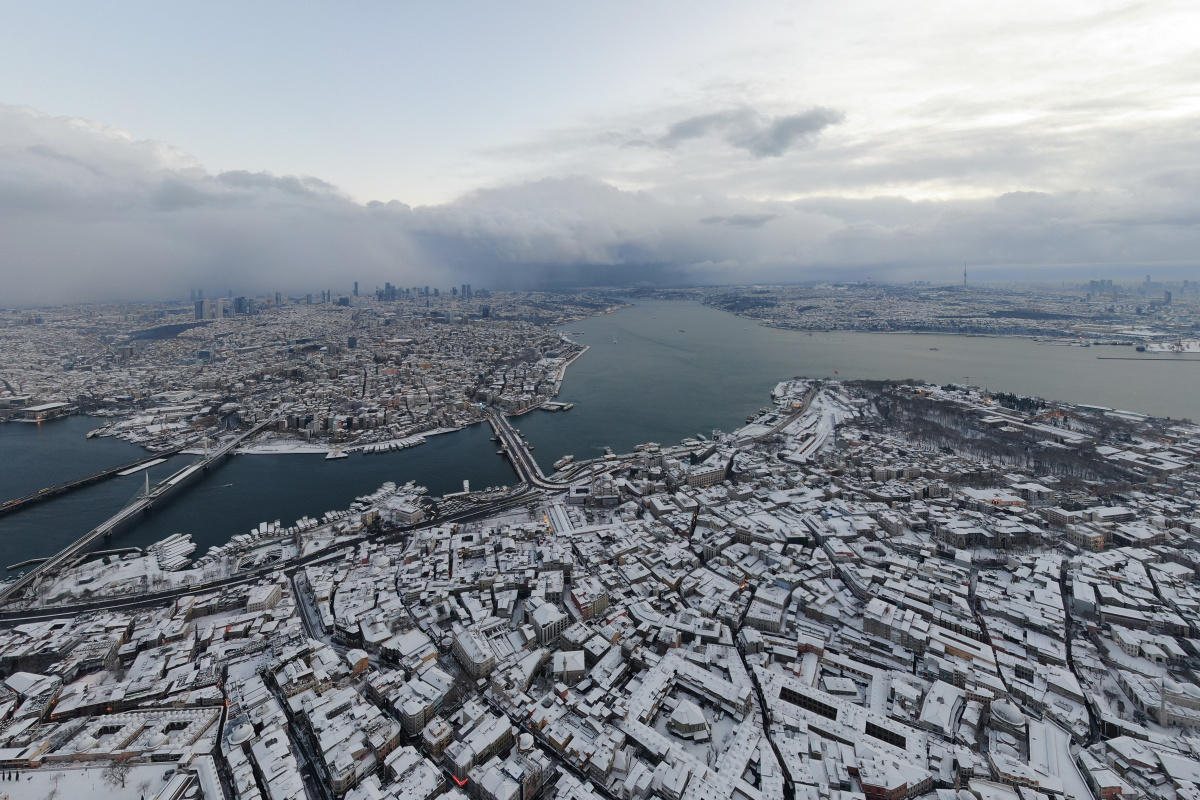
[517,497]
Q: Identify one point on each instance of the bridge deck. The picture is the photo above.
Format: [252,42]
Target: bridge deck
[522,461]
[140,504]
[40,495]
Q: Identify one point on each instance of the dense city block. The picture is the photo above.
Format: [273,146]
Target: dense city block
[872,590]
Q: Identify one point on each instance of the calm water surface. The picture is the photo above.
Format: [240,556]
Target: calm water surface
[664,370]
[659,371]
[243,491]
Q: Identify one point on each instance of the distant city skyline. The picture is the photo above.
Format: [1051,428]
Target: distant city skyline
[155,147]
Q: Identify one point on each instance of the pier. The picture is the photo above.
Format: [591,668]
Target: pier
[129,468]
[143,502]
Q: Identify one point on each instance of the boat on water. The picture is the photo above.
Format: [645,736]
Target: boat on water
[614,341]
[935,348]
[333,455]
[562,462]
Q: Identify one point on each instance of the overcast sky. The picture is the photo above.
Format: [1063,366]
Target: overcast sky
[146,149]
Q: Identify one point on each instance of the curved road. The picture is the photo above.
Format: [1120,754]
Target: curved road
[522,461]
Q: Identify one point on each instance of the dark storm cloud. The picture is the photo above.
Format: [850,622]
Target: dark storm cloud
[779,135]
[304,185]
[740,220]
[86,212]
[747,129]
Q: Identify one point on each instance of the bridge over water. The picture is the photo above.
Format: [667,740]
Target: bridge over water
[142,502]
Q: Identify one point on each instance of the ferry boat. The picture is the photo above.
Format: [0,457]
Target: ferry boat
[562,462]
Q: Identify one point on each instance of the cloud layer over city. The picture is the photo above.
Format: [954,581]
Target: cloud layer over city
[1012,153]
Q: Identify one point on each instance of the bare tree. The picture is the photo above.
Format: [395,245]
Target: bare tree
[117,773]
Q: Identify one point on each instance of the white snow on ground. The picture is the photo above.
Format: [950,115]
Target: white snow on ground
[281,446]
[438,431]
[98,577]
[85,781]
[816,427]
[877,700]
[272,446]
[800,426]
[751,431]
[1050,753]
